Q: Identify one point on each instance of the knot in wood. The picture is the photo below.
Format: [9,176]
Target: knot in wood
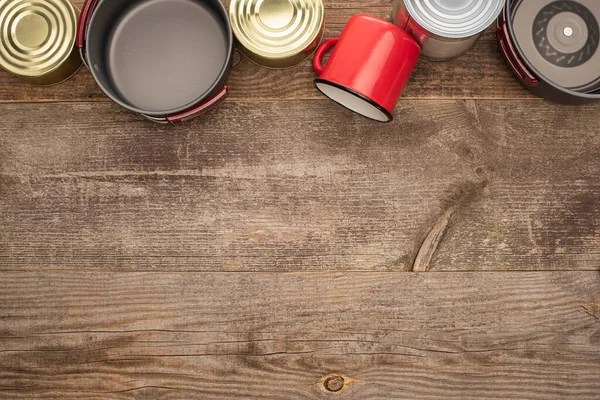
[334,383]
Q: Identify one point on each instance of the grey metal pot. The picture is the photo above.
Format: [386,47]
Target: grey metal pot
[167,60]
[446,29]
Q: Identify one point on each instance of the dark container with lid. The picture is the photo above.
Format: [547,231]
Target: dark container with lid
[552,47]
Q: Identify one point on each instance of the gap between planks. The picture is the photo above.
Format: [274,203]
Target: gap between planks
[276,100]
[303,273]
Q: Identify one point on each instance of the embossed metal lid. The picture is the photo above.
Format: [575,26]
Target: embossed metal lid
[561,39]
[454,19]
[277,33]
[37,38]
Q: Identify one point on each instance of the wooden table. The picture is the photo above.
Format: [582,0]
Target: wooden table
[285,248]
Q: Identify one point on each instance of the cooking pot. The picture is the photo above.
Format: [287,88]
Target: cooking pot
[445,29]
[167,60]
[552,47]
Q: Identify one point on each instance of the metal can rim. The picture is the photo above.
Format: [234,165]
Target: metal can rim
[61,42]
[453,27]
[277,46]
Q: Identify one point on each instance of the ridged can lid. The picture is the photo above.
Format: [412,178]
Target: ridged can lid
[454,19]
[561,40]
[36,38]
[277,33]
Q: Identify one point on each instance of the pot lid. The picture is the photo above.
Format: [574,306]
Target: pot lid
[36,36]
[454,19]
[277,33]
[561,39]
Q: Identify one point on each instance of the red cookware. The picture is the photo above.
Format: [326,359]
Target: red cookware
[368,68]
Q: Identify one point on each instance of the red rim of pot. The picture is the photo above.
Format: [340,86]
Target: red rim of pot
[526,72]
[204,103]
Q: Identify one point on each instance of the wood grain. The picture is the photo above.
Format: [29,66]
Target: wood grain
[250,335]
[263,251]
[481,73]
[272,187]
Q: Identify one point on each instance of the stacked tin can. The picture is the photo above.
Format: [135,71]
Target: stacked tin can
[37,40]
[445,29]
[277,33]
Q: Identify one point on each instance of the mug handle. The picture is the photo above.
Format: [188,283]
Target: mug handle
[320,54]
[200,109]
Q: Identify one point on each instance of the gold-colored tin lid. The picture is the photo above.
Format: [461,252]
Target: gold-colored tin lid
[277,33]
[37,38]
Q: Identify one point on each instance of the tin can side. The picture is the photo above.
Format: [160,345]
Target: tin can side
[66,71]
[455,41]
[436,48]
[38,40]
[285,62]
[277,34]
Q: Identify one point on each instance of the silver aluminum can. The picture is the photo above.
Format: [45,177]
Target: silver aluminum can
[446,29]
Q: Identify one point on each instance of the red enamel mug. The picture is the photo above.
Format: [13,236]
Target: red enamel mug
[369,66]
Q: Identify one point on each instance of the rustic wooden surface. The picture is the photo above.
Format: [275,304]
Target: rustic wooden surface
[474,335]
[269,249]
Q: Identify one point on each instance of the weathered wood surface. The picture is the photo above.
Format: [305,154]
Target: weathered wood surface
[481,73]
[301,185]
[252,335]
[279,232]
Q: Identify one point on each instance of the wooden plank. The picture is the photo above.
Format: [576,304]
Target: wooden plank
[250,335]
[272,187]
[481,73]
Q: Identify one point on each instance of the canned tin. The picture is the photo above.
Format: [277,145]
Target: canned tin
[277,33]
[446,29]
[37,39]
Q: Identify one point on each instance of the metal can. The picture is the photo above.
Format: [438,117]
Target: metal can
[277,33]
[37,40]
[446,29]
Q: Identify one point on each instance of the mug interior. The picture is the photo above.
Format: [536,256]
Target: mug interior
[353,101]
